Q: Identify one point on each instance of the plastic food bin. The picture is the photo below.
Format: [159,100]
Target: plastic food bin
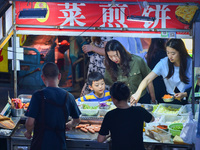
[87,108]
[158,134]
[105,107]
[157,121]
[168,109]
[148,107]
[25,98]
[89,112]
[196,116]
[89,104]
[169,119]
[188,108]
[183,119]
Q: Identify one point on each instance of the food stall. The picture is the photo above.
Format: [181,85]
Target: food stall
[92,115]
[166,19]
[107,18]
[7,126]
[13,134]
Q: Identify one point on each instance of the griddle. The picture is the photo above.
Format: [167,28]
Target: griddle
[72,134]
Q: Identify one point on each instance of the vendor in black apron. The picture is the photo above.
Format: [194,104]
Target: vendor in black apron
[48,113]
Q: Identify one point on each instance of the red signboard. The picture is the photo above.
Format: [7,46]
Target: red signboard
[106,15]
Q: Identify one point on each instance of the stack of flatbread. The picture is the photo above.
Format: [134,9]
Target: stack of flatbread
[6,122]
[178,140]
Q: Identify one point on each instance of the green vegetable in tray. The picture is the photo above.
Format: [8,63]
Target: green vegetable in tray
[177,127]
[167,110]
[154,108]
[86,106]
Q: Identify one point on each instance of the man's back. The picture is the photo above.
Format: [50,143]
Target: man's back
[48,112]
[54,115]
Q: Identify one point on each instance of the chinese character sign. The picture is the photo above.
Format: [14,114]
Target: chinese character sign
[103,15]
[72,14]
[113,13]
[160,12]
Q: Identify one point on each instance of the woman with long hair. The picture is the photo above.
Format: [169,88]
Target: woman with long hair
[128,68]
[155,53]
[176,69]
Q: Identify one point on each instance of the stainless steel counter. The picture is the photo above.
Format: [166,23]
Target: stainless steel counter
[76,139]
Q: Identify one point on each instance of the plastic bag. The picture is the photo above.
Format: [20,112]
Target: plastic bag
[188,133]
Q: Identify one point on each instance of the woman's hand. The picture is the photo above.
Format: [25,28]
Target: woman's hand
[87,48]
[180,96]
[154,101]
[134,99]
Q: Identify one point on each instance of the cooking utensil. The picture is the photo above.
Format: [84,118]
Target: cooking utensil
[9,99]
[17,112]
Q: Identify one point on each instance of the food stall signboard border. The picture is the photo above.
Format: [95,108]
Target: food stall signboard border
[107,18]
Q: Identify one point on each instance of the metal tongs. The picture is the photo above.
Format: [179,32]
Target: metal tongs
[10,101]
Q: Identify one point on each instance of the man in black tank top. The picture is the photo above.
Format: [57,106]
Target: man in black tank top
[48,113]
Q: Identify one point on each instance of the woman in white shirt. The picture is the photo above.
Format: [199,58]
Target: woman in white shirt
[176,70]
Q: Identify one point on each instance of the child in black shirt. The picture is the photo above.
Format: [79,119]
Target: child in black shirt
[125,123]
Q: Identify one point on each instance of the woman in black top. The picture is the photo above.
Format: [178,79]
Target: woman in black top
[156,52]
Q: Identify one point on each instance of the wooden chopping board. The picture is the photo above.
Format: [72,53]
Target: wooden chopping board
[6,122]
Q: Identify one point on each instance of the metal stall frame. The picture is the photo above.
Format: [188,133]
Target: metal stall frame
[116,31]
[105,31]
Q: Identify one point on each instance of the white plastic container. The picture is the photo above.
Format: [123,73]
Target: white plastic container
[155,107]
[196,116]
[102,112]
[89,112]
[169,119]
[89,108]
[158,134]
[104,109]
[90,104]
[148,107]
[168,109]
[184,119]
[188,108]
[157,121]
[25,98]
